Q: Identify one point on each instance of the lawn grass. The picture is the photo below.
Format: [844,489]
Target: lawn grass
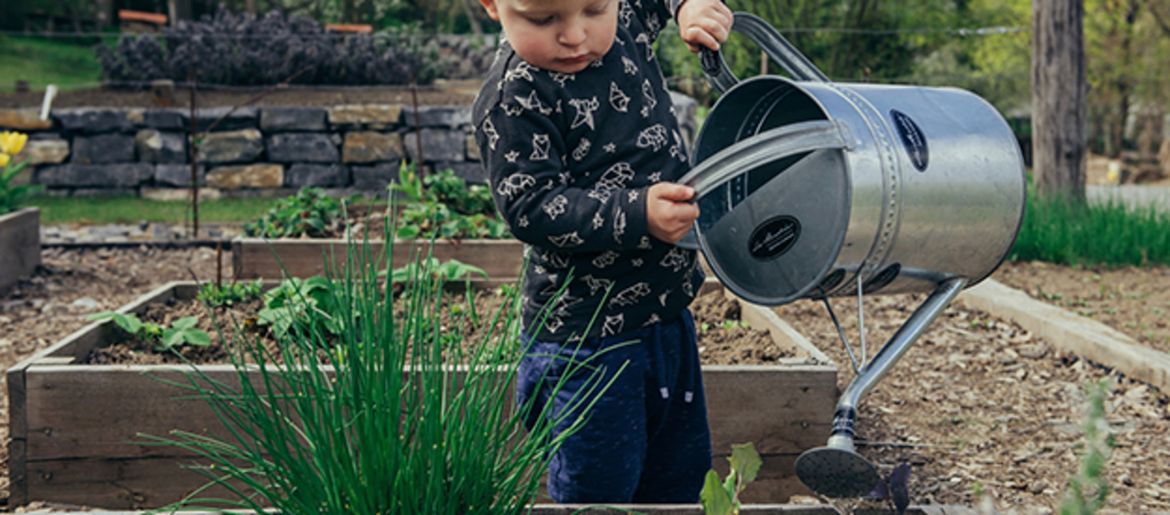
[40,61]
[1106,234]
[55,210]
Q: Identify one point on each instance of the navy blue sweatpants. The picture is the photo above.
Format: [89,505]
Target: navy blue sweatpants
[646,439]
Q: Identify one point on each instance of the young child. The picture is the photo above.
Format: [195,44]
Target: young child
[576,130]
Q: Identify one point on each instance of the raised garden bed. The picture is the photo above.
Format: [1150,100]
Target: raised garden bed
[73,425]
[20,245]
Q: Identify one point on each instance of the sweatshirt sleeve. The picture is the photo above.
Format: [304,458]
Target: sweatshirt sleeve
[652,15]
[525,155]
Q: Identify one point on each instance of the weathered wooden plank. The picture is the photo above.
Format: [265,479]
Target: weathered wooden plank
[780,409]
[97,411]
[1071,332]
[254,258]
[17,433]
[20,246]
[114,483]
[117,483]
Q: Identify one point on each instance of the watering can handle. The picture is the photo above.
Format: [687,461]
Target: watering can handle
[771,42]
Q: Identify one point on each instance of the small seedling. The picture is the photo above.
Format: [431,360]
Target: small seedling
[300,301]
[1088,488]
[722,498]
[217,295]
[181,332]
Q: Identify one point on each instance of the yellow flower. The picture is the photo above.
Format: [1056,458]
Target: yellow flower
[3,160]
[12,143]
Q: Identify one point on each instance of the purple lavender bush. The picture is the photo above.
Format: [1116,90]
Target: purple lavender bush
[249,50]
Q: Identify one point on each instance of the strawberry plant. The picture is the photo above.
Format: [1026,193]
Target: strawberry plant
[218,295]
[443,205]
[310,303]
[181,332]
[309,213]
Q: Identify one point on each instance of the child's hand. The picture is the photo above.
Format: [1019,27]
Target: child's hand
[669,214]
[704,23]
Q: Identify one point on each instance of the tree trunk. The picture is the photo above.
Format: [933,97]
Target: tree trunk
[470,9]
[1058,98]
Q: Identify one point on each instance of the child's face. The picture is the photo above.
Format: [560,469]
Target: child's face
[558,35]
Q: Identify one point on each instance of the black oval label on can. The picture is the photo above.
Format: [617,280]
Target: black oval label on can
[773,237]
[912,138]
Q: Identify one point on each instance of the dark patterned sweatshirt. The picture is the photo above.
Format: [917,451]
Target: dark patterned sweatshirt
[570,158]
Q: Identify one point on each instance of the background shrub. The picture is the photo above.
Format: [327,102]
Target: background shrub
[248,50]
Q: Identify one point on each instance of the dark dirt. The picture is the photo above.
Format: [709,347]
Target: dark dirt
[455,93]
[723,339]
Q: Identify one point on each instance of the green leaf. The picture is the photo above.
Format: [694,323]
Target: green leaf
[128,322]
[171,338]
[746,462]
[100,316]
[729,484]
[185,323]
[716,500]
[197,337]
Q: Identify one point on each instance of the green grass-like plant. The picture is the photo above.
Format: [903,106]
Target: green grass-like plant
[1059,231]
[106,210]
[381,417]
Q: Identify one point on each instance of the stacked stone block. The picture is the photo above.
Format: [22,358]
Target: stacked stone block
[247,151]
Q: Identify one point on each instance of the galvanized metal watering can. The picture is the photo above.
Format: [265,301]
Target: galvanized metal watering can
[809,188]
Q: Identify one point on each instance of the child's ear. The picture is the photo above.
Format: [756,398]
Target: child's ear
[490,7]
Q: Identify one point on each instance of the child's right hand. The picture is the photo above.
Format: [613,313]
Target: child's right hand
[669,213]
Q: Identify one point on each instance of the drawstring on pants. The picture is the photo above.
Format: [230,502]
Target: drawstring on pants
[686,363]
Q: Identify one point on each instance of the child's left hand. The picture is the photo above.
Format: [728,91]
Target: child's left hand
[704,23]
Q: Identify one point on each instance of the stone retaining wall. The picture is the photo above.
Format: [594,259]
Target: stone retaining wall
[250,151]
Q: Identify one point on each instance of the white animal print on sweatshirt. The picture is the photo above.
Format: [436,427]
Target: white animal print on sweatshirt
[570,158]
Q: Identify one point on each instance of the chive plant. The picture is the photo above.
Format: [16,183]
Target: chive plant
[1059,231]
[383,417]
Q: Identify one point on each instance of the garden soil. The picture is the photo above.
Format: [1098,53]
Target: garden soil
[983,411]
[723,339]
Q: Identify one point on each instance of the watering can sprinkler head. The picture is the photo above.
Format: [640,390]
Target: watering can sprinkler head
[837,470]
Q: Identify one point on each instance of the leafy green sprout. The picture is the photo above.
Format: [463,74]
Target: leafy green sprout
[722,497]
[217,295]
[181,332]
[1088,487]
[726,325]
